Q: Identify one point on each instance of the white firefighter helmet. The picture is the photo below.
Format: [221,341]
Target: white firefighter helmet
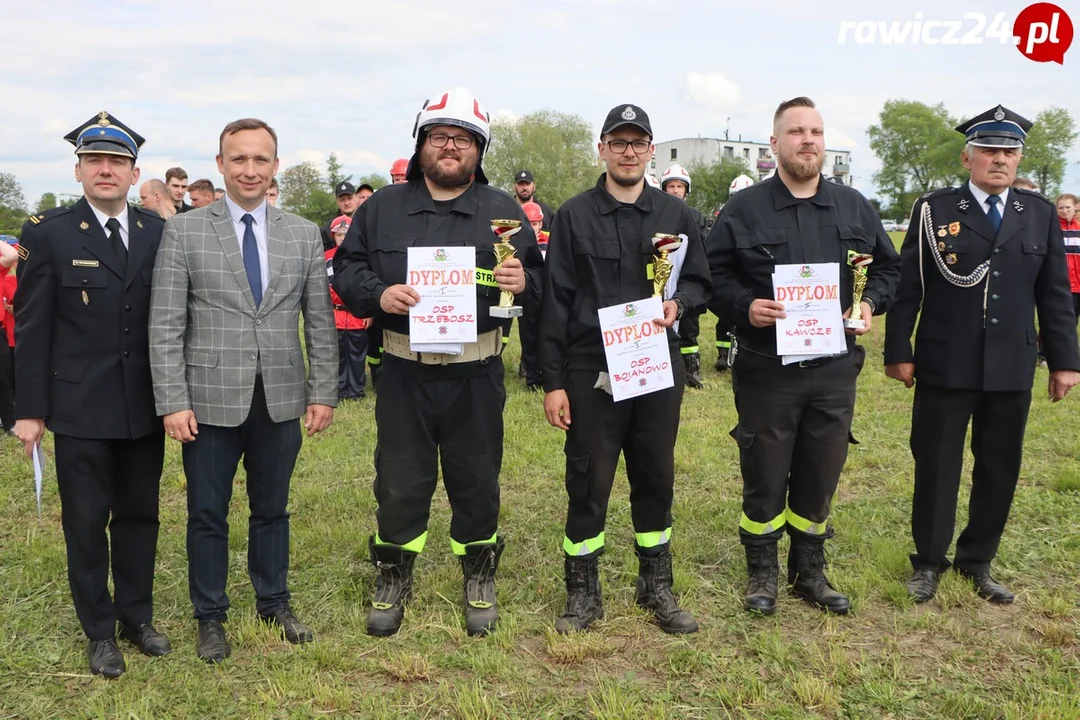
[458,107]
[675,172]
[652,181]
[740,183]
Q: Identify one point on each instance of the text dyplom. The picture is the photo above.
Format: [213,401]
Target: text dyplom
[814,324]
[636,348]
[445,279]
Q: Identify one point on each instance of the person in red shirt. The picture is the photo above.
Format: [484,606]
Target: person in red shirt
[9,259]
[352,331]
[1070,230]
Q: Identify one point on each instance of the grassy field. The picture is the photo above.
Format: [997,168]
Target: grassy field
[956,657]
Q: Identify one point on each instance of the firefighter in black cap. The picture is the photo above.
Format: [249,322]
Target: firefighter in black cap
[600,254]
[83,370]
[979,260]
[347,202]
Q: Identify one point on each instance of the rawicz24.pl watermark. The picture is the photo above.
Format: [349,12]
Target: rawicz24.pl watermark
[1041,32]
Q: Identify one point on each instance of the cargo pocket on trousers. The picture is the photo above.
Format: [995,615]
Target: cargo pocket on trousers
[577,468]
[744,437]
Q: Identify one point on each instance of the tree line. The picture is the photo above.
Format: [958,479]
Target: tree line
[915,142]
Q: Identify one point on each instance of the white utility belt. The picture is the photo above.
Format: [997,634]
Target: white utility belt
[487,345]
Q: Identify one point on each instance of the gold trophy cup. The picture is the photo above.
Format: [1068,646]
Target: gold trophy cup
[859,263]
[664,244]
[504,230]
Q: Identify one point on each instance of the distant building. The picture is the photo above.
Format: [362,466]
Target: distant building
[757,156]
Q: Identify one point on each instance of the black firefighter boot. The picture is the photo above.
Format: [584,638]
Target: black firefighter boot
[763,568]
[584,603]
[478,566]
[722,363]
[654,592]
[693,370]
[806,573]
[393,587]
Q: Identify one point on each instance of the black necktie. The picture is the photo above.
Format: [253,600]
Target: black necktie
[993,213]
[117,243]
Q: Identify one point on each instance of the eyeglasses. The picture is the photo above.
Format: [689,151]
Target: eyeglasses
[619,146]
[461,142]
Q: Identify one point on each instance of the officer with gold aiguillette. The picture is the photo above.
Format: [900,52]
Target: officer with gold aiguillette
[979,260]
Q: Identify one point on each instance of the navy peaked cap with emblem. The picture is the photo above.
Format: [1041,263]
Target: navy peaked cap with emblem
[106,135]
[345,188]
[626,115]
[997,127]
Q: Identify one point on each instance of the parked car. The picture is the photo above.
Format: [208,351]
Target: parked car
[903,226]
[889,225]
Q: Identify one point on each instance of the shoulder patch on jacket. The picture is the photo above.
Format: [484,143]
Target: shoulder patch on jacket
[938,192]
[1032,194]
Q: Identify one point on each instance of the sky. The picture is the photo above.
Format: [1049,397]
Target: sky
[349,77]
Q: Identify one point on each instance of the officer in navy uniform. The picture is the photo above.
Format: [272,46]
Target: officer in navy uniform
[979,259]
[83,370]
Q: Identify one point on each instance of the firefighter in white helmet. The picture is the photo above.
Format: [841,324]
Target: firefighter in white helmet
[436,406]
[676,181]
[740,183]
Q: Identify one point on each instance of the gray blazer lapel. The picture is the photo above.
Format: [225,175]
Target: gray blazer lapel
[230,247]
[277,241]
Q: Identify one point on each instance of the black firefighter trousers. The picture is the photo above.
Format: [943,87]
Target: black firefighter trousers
[939,422]
[644,430]
[793,433]
[431,413]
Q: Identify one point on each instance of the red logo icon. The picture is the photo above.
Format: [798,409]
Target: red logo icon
[1043,32]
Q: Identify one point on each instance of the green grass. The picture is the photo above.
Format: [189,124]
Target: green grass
[957,657]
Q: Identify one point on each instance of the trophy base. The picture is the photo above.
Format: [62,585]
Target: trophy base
[506,312]
[854,323]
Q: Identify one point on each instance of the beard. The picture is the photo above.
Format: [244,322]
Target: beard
[448,179]
[524,195]
[627,180]
[800,169]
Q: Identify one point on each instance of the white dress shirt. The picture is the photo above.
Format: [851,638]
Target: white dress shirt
[122,217]
[258,227]
[981,196]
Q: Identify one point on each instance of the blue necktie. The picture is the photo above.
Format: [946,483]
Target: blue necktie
[994,215]
[251,259]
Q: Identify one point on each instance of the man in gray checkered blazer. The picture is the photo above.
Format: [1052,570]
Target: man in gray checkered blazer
[230,284]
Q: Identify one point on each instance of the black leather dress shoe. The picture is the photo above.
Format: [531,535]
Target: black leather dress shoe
[923,584]
[105,658]
[988,588]
[147,639]
[296,632]
[212,647]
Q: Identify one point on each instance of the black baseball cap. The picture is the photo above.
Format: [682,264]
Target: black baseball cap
[364,186]
[626,115]
[523,176]
[345,188]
